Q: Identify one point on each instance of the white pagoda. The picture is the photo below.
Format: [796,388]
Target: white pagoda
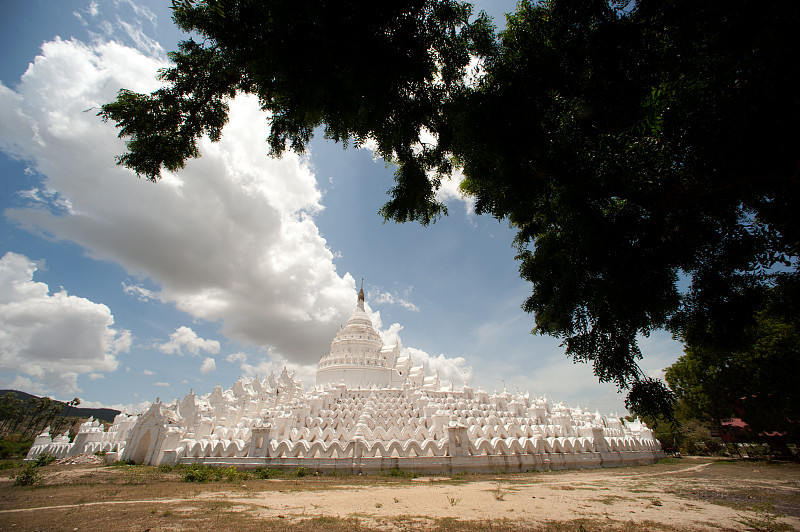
[370,410]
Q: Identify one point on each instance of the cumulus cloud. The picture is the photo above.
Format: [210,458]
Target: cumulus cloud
[236,357]
[231,238]
[453,369]
[129,408]
[48,340]
[185,338]
[450,192]
[148,372]
[208,366]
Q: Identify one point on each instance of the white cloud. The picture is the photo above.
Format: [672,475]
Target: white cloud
[25,384]
[449,192]
[49,340]
[140,10]
[139,292]
[388,298]
[80,18]
[139,38]
[130,408]
[236,357]
[162,384]
[208,366]
[148,372]
[453,369]
[231,238]
[186,338]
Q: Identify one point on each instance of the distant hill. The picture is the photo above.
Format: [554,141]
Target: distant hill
[102,414]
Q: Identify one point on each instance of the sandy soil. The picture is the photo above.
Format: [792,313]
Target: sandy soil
[689,495]
[615,496]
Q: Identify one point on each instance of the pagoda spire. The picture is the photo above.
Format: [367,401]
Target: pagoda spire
[361,295]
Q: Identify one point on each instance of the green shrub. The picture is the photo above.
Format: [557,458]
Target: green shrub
[264,472]
[301,471]
[207,473]
[44,459]
[200,473]
[28,476]
[231,474]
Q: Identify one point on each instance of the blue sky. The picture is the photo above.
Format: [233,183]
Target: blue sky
[119,291]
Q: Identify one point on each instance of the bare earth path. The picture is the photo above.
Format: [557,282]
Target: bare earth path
[682,495]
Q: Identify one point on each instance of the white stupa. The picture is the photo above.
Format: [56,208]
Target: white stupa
[370,410]
[359,359]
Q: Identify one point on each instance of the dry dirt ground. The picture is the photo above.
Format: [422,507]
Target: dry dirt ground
[677,494]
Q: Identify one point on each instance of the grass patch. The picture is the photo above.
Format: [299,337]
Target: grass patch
[764,518]
[10,464]
[611,499]
[264,473]
[398,473]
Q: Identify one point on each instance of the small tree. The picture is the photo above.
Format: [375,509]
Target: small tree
[11,408]
[64,410]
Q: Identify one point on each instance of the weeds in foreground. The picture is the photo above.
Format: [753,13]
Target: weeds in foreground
[264,473]
[206,473]
[28,476]
[498,492]
[30,473]
[453,500]
[764,519]
[402,473]
[44,459]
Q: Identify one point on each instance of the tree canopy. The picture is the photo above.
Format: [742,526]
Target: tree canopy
[645,151]
[755,381]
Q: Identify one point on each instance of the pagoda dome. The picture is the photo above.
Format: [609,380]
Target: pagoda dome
[357,342]
[357,355]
